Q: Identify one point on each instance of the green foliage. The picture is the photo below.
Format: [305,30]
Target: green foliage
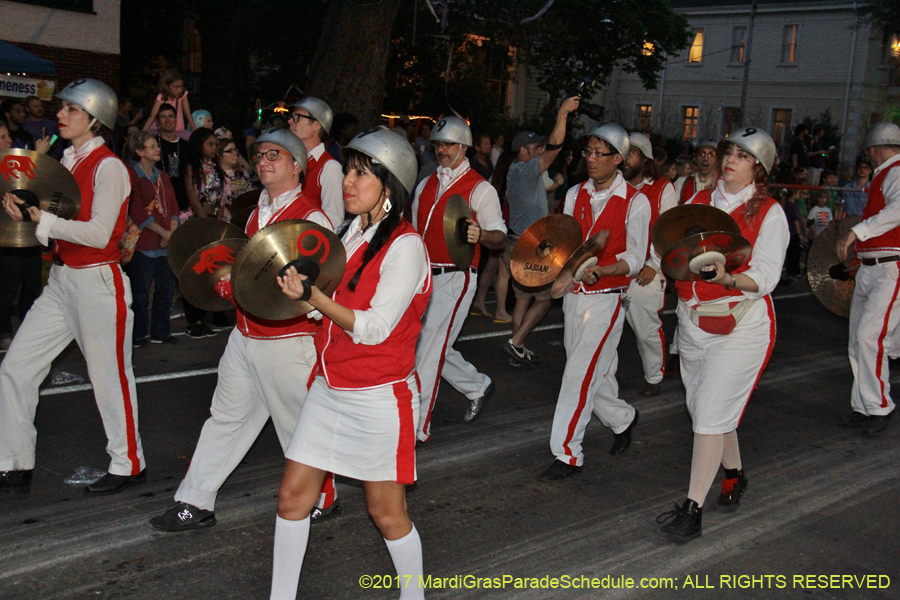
[885,13]
[832,131]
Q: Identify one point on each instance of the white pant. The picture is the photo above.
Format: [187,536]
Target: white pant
[593,327]
[448,308]
[874,316]
[642,314]
[720,372]
[257,379]
[91,306]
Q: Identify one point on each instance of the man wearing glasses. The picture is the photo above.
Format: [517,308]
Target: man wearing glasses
[528,203]
[593,312]
[266,364]
[311,121]
[706,157]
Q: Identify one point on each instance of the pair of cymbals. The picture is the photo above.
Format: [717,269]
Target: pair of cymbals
[203,270]
[543,250]
[832,282]
[40,181]
[693,236]
[194,234]
[456,212]
[243,206]
[257,266]
[585,256]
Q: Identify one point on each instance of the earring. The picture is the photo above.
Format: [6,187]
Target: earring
[387,205]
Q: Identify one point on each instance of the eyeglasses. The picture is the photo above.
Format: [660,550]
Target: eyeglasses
[294,118]
[711,154]
[271,155]
[234,150]
[596,154]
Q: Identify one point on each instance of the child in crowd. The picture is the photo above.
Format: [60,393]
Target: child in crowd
[172,91]
[820,215]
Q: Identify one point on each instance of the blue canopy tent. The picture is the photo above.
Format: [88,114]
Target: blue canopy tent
[14,60]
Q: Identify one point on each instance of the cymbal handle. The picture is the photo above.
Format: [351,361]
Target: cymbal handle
[704,274]
[462,229]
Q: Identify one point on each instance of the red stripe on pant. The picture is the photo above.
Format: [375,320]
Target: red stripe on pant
[121,319]
[884,331]
[437,378]
[586,383]
[770,310]
[406,443]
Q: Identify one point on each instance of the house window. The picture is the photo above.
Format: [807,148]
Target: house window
[789,40]
[690,120]
[648,49]
[696,53]
[737,45]
[644,115]
[194,58]
[731,119]
[781,118]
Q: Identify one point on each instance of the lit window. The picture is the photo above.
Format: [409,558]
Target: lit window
[648,49]
[696,54]
[737,45]
[644,117]
[789,37]
[691,118]
[781,118]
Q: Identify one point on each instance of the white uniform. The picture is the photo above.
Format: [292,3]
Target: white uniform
[875,309]
[593,327]
[258,377]
[451,298]
[645,303]
[720,372]
[329,184]
[89,304]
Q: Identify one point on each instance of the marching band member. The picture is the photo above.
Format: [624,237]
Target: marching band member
[87,299]
[646,292]
[454,288]
[593,314]
[726,328]
[266,364]
[874,313]
[360,415]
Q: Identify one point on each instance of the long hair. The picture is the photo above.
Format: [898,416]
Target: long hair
[760,179]
[195,154]
[168,77]
[398,194]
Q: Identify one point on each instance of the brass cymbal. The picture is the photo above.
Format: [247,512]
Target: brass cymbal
[197,233]
[567,279]
[831,280]
[257,266]
[543,249]
[686,220]
[241,217]
[17,234]
[204,269]
[41,181]
[246,199]
[682,261]
[456,211]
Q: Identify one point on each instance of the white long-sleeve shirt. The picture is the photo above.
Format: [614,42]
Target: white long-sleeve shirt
[403,273]
[889,216]
[669,199]
[332,179]
[112,187]
[637,220]
[267,209]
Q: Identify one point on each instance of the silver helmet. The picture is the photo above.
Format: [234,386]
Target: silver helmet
[95,97]
[642,143]
[320,111]
[452,130]
[613,135]
[391,150]
[882,134]
[707,144]
[755,141]
[288,141]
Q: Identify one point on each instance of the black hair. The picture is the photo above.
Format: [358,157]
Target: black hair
[195,153]
[165,106]
[354,159]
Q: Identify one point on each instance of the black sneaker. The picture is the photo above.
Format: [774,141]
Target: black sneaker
[732,488]
[141,343]
[317,515]
[206,330]
[523,356]
[681,525]
[559,470]
[19,481]
[183,517]
[194,331]
[169,339]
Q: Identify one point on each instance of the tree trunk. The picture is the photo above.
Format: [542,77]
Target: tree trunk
[348,69]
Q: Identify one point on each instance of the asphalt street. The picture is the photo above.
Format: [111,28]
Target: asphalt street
[820,513]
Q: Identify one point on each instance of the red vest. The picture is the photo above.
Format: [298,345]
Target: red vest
[707,292]
[875,204]
[255,327]
[312,183]
[430,217]
[612,219]
[687,190]
[76,255]
[349,366]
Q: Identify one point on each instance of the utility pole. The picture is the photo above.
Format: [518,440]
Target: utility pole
[747,50]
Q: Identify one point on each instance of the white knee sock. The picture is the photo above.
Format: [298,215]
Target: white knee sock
[407,556]
[291,538]
[731,452]
[704,464]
